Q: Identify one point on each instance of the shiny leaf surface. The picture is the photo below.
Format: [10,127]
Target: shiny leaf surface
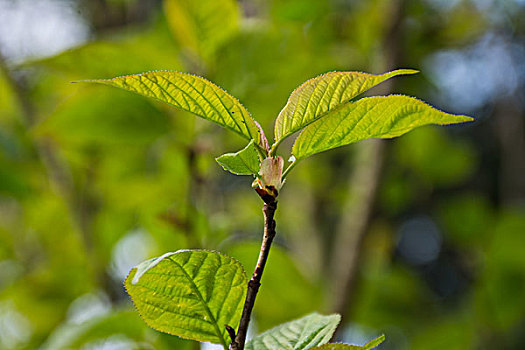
[244,162]
[193,94]
[304,333]
[189,293]
[371,117]
[318,96]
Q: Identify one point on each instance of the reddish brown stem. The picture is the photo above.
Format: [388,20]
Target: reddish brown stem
[255,282]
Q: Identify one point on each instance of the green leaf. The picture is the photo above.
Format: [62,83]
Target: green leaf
[204,25]
[244,162]
[371,117]
[321,95]
[193,94]
[374,342]
[304,333]
[85,119]
[190,293]
[338,346]
[145,51]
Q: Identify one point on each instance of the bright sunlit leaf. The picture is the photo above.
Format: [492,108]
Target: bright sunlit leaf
[193,94]
[190,293]
[304,333]
[321,95]
[367,118]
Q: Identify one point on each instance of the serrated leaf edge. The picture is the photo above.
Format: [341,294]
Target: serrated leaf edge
[466,119]
[298,319]
[263,138]
[207,309]
[389,75]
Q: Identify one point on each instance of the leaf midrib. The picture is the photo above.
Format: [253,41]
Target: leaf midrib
[335,110]
[201,94]
[225,125]
[307,340]
[302,126]
[206,308]
[383,77]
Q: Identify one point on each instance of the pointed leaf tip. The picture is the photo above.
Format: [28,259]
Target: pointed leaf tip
[374,342]
[339,346]
[193,94]
[406,71]
[370,117]
[315,98]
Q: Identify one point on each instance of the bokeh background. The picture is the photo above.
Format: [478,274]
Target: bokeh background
[420,238]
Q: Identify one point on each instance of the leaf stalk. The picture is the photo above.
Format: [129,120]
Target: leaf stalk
[287,170]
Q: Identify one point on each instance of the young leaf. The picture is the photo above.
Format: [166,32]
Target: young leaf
[244,162]
[304,333]
[370,117]
[338,346]
[190,293]
[318,96]
[193,94]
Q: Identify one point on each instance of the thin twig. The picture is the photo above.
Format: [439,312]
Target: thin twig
[255,282]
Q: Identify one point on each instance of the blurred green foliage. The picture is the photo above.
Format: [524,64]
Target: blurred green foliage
[95,180]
